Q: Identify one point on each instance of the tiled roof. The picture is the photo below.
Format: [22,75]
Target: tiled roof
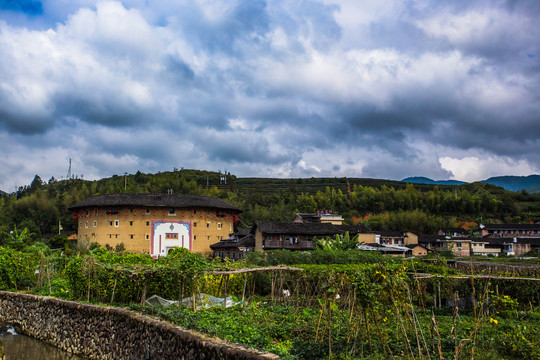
[423,238]
[508,240]
[412,246]
[155,200]
[308,215]
[353,229]
[233,242]
[435,238]
[297,228]
[511,226]
[309,228]
[241,232]
[456,230]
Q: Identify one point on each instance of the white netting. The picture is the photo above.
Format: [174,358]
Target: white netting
[202,301]
[159,301]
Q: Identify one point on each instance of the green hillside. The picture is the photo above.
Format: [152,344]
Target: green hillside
[533,189]
[391,205]
[312,185]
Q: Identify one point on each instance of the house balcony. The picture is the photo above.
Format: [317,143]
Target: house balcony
[285,244]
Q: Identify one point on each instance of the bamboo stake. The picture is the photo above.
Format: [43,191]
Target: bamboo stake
[143,297]
[272,280]
[439,294]
[415,321]
[49,276]
[245,284]
[439,347]
[225,291]
[114,289]
[88,293]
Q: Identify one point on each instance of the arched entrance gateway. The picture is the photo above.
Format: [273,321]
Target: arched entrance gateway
[169,235]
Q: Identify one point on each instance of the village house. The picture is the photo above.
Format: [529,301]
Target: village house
[453,232]
[291,236]
[516,246]
[484,247]
[510,230]
[319,217]
[418,249]
[493,243]
[300,235]
[297,235]
[154,223]
[393,243]
[458,246]
[236,247]
[396,250]
[388,238]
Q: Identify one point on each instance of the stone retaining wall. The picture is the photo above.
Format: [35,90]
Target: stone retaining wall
[99,332]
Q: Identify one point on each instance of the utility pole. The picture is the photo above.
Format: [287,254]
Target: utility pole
[125,181]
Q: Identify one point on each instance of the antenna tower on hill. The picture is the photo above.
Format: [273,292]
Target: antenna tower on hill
[69,170]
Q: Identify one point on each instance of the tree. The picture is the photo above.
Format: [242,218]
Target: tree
[18,239]
[340,242]
[36,184]
[58,241]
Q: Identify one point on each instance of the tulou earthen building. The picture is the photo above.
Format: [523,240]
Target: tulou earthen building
[154,223]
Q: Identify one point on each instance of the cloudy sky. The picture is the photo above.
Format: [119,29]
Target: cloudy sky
[384,89]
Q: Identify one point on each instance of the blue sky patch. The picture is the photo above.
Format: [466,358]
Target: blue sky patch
[25,6]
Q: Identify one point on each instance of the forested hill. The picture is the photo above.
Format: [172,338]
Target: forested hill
[529,183]
[425,180]
[386,204]
[312,185]
[533,189]
[514,183]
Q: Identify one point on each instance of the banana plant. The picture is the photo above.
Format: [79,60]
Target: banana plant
[340,242]
[18,238]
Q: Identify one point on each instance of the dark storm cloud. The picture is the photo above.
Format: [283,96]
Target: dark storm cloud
[303,88]
[24,123]
[108,113]
[241,149]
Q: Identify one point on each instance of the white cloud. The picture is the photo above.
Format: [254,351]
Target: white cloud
[472,168]
[477,26]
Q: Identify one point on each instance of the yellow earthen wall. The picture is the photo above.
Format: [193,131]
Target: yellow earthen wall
[137,223]
[411,238]
[366,238]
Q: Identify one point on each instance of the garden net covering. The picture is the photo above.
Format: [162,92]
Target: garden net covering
[203,301]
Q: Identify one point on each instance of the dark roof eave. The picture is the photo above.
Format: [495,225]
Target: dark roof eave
[155,200]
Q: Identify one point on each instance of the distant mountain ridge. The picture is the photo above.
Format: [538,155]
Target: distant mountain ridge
[514,183]
[529,183]
[425,180]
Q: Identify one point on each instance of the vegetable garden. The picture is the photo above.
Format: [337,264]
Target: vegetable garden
[325,304]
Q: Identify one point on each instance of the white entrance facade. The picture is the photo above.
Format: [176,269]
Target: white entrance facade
[167,235]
